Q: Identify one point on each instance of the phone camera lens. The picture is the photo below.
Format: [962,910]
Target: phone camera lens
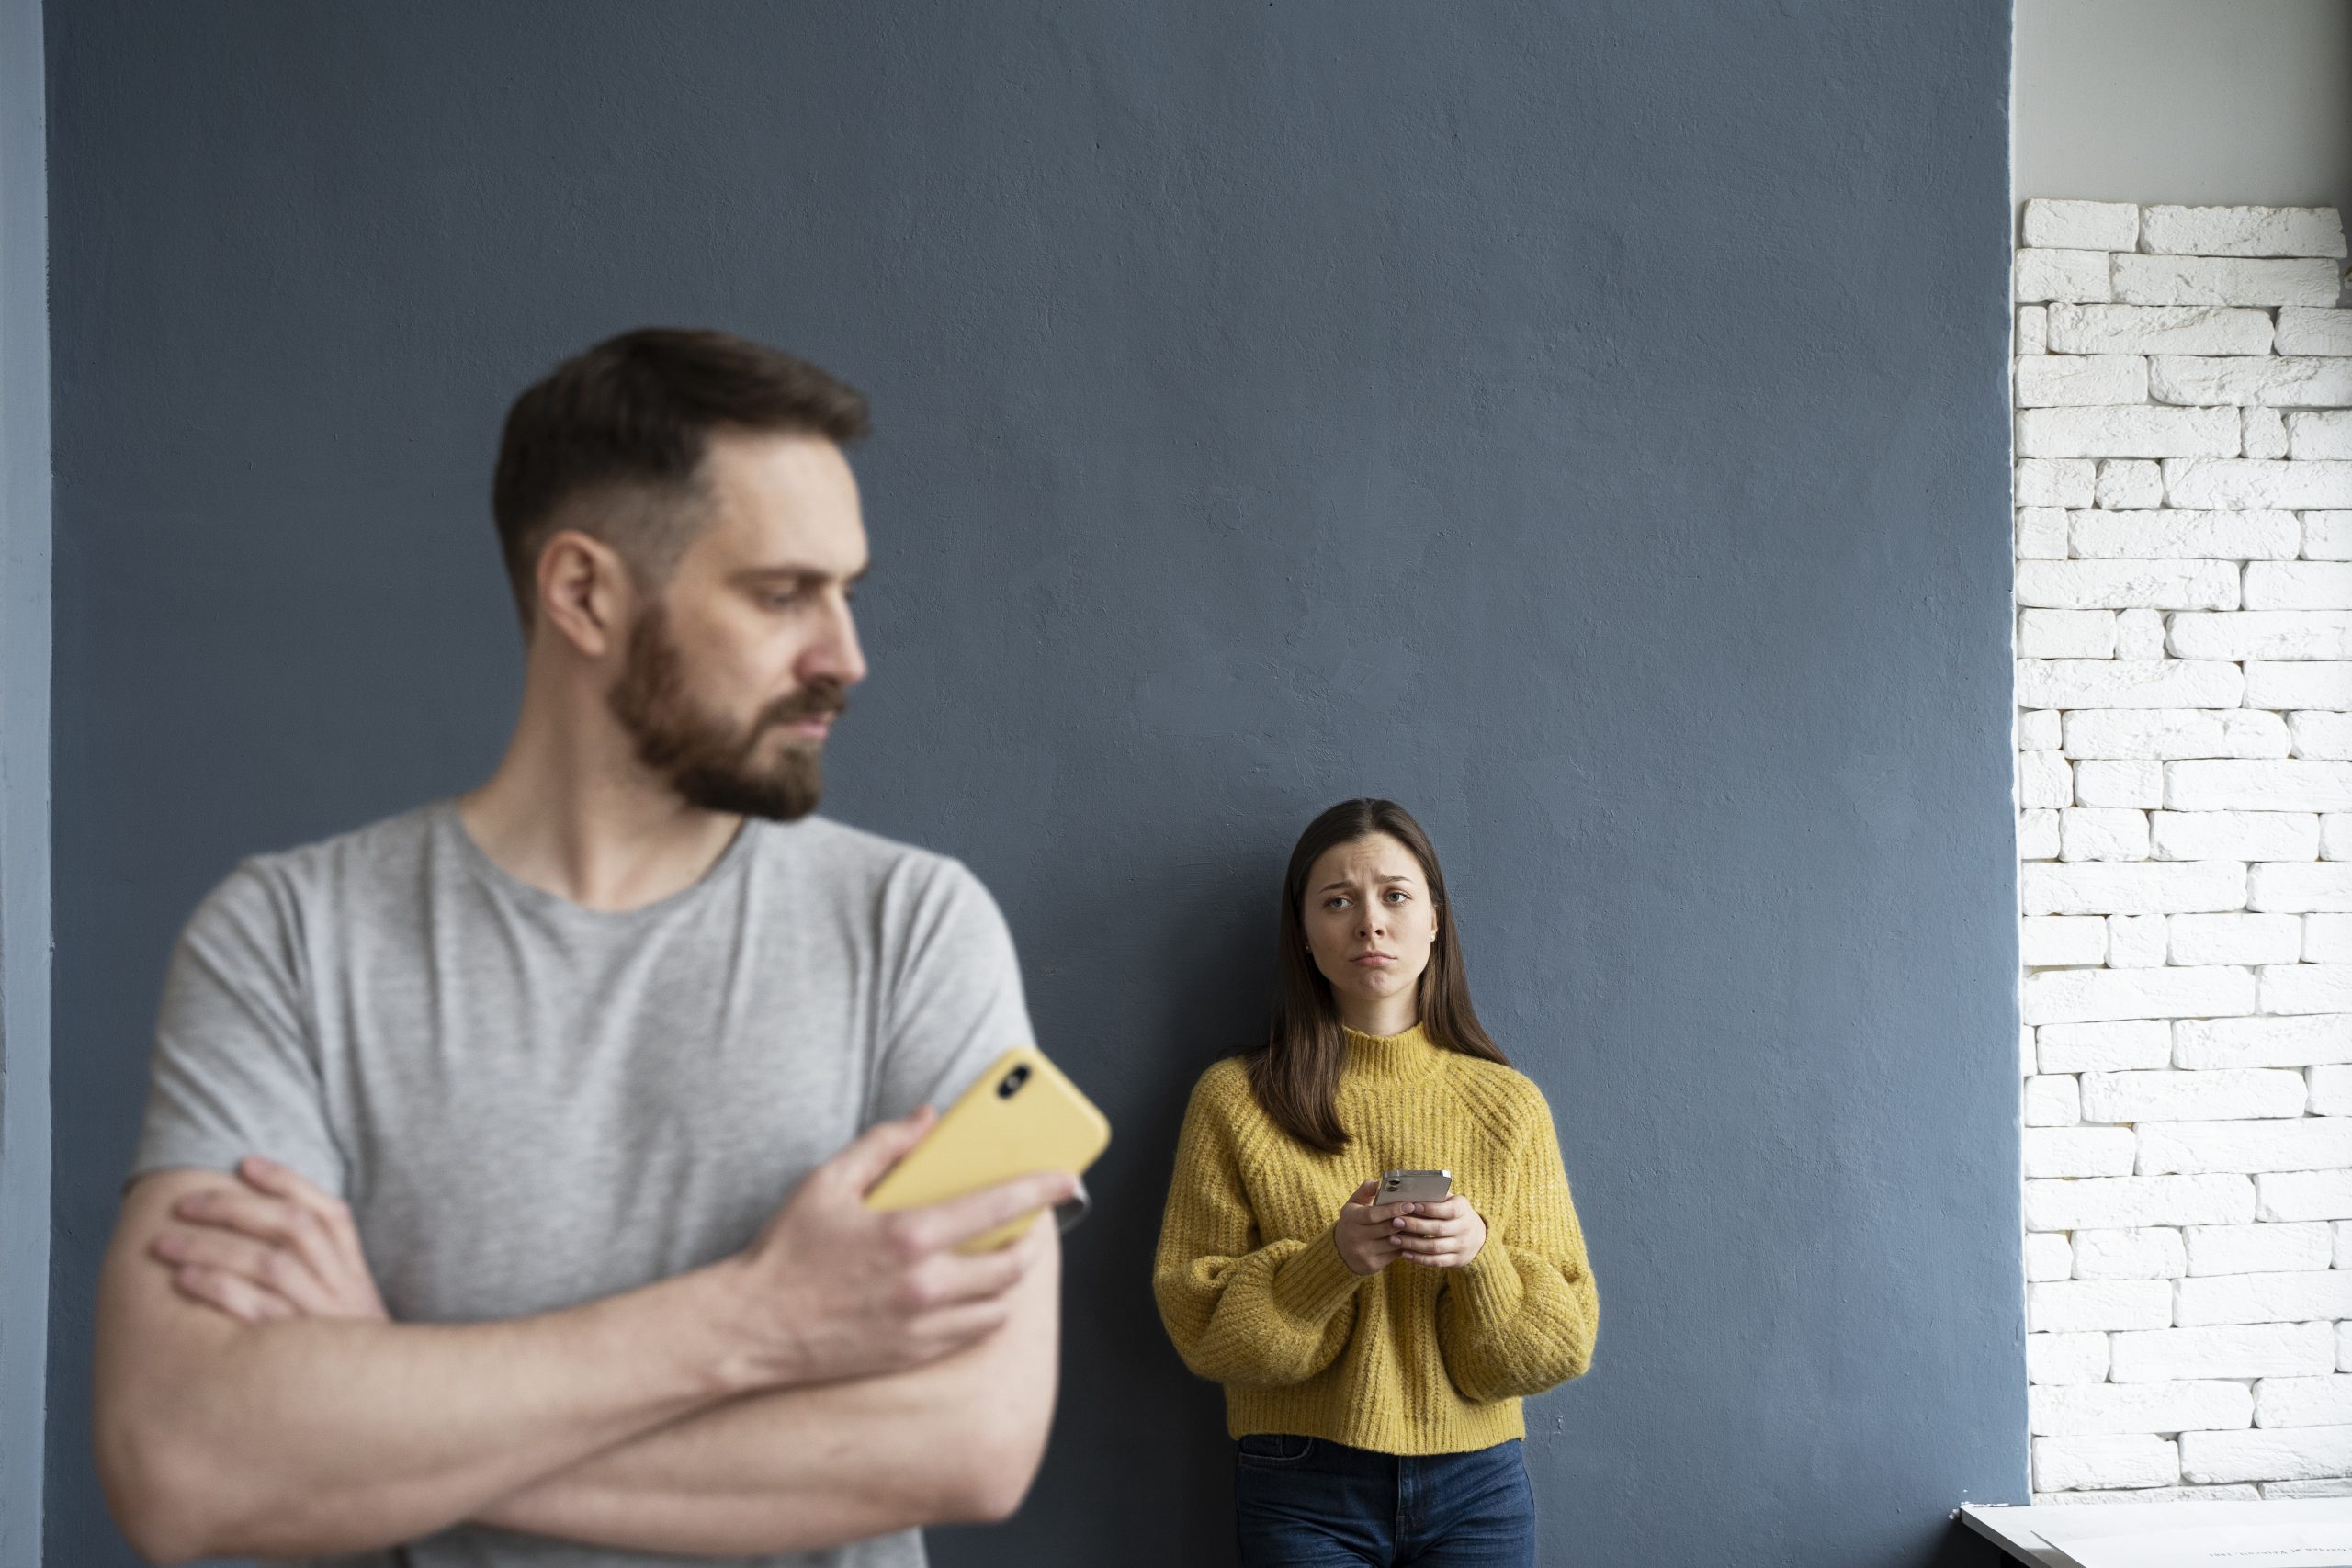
[1012,1083]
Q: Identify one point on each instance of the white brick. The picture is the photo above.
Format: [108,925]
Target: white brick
[2302,1297]
[2259,1249]
[2121,584]
[2147,1253]
[2052,1100]
[2297,585]
[2082,225]
[2135,1496]
[2240,230]
[2063,1464]
[2308,435]
[2169,734]
[2321,736]
[2045,275]
[2078,380]
[2341,1231]
[2040,730]
[2044,780]
[2331,1091]
[2235,939]
[2233,835]
[2044,482]
[2269,785]
[2065,634]
[2205,380]
[2041,533]
[2262,434]
[2135,430]
[2308,890]
[2102,832]
[2306,989]
[2104,1047]
[2159,329]
[2139,634]
[2155,888]
[2066,1358]
[2253,1350]
[2058,1306]
[2249,1149]
[2290,1490]
[2048,1257]
[2200,1098]
[2168,534]
[2127,482]
[2135,941]
[2119,1201]
[2089,996]
[2260,1453]
[2099,1409]
[2304,1195]
[2032,329]
[2304,1402]
[2327,535]
[2250,483]
[2051,941]
[2344,1347]
[2305,331]
[2327,939]
[2135,683]
[2197,280]
[2273,1042]
[2299,685]
[2119,783]
[2335,838]
[2079,1151]
[2037,834]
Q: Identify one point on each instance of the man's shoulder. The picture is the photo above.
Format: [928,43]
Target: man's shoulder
[358,861]
[818,851]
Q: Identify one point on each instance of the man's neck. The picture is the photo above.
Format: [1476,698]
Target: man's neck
[572,812]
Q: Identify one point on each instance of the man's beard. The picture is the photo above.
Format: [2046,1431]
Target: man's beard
[707,760]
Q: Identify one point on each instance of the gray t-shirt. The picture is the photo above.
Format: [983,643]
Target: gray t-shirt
[529,1105]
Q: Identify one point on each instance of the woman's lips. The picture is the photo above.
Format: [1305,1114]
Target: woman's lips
[1373,960]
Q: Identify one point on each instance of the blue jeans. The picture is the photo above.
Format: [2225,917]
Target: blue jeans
[1310,1502]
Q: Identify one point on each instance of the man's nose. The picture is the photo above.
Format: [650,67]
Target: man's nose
[836,656]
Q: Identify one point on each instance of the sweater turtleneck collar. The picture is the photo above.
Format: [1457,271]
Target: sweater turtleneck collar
[1412,1054]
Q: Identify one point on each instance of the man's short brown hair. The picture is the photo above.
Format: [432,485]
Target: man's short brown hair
[629,421]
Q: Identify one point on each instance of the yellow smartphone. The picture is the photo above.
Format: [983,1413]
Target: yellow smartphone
[1019,1117]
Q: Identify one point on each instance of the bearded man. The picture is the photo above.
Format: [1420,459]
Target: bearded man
[500,1199]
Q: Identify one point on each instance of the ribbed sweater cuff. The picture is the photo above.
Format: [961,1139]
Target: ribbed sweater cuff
[1316,1282]
[1488,1286]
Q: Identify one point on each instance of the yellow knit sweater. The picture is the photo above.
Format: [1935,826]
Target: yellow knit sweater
[1412,1360]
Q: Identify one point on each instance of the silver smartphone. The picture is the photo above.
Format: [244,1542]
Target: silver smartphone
[1415,1186]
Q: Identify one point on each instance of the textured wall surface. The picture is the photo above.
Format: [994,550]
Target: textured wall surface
[1584,423]
[2184,539]
[24,779]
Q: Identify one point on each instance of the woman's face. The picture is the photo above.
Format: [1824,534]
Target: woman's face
[1369,920]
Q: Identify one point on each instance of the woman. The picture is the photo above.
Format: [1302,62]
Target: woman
[1373,1355]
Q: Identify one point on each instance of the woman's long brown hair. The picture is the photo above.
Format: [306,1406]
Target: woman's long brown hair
[1296,1074]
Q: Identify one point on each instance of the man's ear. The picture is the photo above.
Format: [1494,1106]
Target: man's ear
[584,590]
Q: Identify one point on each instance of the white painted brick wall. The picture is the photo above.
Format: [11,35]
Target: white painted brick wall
[2183,530]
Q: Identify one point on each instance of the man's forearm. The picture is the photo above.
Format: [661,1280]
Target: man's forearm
[218,1438]
[806,1468]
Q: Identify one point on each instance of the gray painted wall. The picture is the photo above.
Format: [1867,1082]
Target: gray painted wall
[24,782]
[1584,423]
[2198,101]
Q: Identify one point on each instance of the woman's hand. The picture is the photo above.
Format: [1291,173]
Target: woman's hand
[1366,1232]
[1443,1234]
[271,1248]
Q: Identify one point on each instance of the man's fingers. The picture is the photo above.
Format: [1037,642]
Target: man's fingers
[241,1299]
[879,1147]
[275,1269]
[974,1213]
[285,1181]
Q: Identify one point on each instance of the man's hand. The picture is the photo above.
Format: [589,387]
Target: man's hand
[1366,1232]
[272,1248]
[832,1289]
[1443,1234]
